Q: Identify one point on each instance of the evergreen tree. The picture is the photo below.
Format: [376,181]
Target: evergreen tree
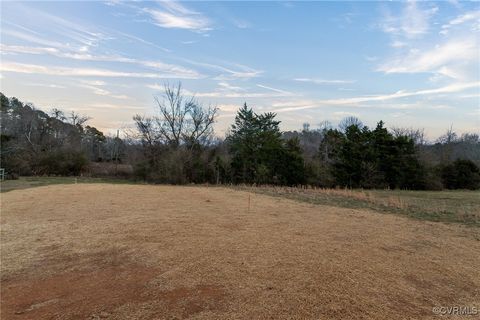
[376,159]
[292,168]
[243,146]
[259,154]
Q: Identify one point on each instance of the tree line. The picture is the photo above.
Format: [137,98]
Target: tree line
[178,146]
[34,142]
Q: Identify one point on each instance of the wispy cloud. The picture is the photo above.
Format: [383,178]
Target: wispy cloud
[141,40]
[84,39]
[223,94]
[23,28]
[357,101]
[189,42]
[454,57]
[439,59]
[324,81]
[78,36]
[76,72]
[175,15]
[402,94]
[225,90]
[371,58]
[398,44]
[94,82]
[234,72]
[174,71]
[338,115]
[242,24]
[461,19]
[411,23]
[345,19]
[28,50]
[156,87]
[228,86]
[179,72]
[470,96]
[274,89]
[54,86]
[96,106]
[101,91]
[228,108]
[33,38]
[242,72]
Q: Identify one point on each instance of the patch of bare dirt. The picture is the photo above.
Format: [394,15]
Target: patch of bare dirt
[96,289]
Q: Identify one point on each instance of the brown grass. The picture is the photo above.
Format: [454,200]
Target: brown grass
[159,252]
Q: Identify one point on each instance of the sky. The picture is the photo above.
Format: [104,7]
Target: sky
[410,64]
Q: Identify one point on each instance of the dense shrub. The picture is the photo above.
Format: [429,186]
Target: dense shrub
[65,163]
[461,174]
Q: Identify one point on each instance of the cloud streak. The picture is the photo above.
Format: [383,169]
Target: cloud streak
[413,22]
[228,73]
[466,17]
[324,81]
[356,101]
[76,72]
[454,57]
[101,91]
[275,90]
[176,16]
[78,37]
[174,71]
[453,52]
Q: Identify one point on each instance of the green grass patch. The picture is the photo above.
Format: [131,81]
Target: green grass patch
[31,182]
[440,206]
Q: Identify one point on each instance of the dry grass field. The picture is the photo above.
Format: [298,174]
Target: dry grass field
[106,251]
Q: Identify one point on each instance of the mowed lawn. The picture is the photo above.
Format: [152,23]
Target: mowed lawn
[112,251]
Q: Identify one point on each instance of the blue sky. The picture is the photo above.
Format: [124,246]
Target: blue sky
[411,64]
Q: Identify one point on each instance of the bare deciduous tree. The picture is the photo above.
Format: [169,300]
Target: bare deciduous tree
[350,121]
[325,125]
[417,135]
[146,130]
[449,137]
[199,127]
[77,119]
[183,120]
[170,139]
[57,114]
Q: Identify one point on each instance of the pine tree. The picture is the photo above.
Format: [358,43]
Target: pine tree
[259,154]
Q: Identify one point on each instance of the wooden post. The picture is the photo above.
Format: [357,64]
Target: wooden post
[248,203]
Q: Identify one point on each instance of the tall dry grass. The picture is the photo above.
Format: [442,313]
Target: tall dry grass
[393,201]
